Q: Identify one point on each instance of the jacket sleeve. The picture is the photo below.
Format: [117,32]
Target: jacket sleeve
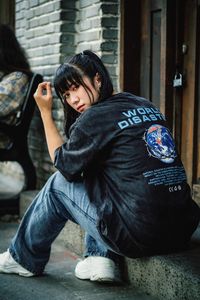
[12,92]
[73,157]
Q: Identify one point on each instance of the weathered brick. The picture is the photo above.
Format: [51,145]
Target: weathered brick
[109,58]
[38,11]
[68,26]
[54,38]
[68,15]
[94,46]
[19,15]
[92,11]
[68,4]
[30,14]
[110,34]
[89,36]
[110,9]
[49,49]
[17,7]
[30,34]
[33,3]
[43,20]
[96,22]
[109,21]
[52,28]
[20,33]
[65,48]
[113,71]
[37,42]
[33,23]
[86,3]
[43,61]
[20,5]
[85,25]
[109,45]
[115,81]
[67,37]
[43,1]
[36,52]
[56,16]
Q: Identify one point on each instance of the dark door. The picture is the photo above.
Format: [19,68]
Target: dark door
[158,54]
[166,44]
[7,12]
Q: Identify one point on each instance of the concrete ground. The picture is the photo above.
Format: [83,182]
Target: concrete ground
[58,282]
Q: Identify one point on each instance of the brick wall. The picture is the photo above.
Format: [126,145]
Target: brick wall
[98,30]
[50,30]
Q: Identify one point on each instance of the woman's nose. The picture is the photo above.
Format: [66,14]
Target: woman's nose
[74,99]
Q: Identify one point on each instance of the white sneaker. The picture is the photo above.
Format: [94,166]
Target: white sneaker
[9,265]
[97,268]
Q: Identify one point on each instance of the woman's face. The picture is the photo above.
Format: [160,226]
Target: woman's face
[80,99]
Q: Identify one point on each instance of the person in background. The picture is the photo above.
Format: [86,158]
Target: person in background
[119,177]
[14,76]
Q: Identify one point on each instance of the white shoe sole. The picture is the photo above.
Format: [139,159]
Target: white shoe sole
[103,272]
[2,270]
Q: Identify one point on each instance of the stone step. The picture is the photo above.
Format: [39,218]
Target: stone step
[168,277]
[9,194]
[196,193]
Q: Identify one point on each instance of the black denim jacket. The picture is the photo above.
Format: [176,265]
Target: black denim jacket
[124,153]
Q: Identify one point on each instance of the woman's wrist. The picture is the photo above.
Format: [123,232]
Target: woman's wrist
[46,114]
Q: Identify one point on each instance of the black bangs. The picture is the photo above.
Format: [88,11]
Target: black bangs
[66,76]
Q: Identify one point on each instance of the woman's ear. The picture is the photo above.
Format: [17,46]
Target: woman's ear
[97,81]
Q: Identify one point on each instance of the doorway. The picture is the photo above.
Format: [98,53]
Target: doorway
[160,41]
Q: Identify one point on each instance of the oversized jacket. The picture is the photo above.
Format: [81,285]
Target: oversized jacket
[13,89]
[122,150]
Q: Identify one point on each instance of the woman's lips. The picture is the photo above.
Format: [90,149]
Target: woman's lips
[81,107]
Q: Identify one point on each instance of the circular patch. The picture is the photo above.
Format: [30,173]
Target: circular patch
[160,143]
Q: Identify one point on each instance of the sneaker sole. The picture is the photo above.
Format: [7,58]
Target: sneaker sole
[16,273]
[104,279]
[97,277]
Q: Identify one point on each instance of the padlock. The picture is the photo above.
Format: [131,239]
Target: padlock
[177,82]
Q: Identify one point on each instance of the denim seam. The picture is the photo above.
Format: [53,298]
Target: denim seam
[73,203]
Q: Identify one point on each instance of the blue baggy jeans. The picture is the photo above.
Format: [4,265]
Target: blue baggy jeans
[57,202]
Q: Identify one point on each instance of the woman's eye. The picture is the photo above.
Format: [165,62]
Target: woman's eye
[66,96]
[74,87]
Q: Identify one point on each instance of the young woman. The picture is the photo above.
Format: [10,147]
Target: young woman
[14,71]
[119,177]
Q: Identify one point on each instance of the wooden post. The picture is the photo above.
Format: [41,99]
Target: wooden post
[189,89]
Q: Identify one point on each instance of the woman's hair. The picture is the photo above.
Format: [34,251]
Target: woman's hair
[70,73]
[12,56]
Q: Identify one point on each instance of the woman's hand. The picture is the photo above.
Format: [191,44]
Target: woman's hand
[43,97]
